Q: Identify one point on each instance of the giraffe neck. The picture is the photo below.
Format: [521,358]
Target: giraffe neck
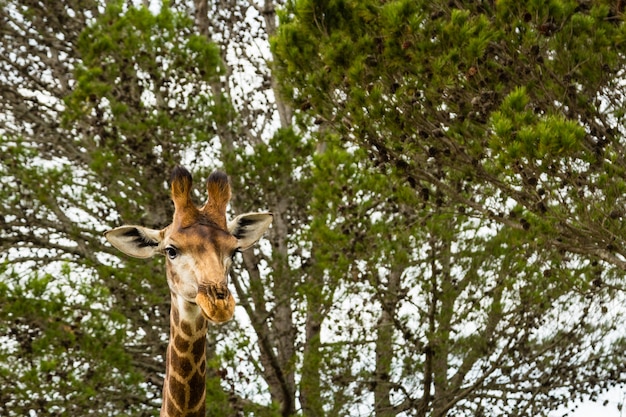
[184,388]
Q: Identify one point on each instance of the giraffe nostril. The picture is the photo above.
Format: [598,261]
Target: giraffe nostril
[218,292]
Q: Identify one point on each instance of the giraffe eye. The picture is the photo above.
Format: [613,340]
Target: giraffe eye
[171,252]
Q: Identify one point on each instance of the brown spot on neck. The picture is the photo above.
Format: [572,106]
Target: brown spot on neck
[184,388]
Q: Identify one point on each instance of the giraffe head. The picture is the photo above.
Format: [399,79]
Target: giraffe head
[198,245]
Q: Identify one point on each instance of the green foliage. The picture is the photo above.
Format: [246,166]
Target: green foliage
[497,123]
[141,81]
[519,133]
[57,344]
[82,332]
[446,91]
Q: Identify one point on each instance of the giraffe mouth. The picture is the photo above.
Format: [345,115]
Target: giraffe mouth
[216,302]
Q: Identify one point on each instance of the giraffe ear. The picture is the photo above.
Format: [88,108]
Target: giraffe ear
[136,241]
[248,228]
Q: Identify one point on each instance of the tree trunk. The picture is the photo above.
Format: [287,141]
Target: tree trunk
[274,327]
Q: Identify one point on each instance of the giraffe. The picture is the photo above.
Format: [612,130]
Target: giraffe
[198,247]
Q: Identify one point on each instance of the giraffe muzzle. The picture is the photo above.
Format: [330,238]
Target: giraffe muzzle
[216,302]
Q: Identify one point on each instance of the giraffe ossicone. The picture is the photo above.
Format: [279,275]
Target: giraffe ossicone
[198,246]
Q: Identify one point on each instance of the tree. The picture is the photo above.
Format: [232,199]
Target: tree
[503,124]
[141,93]
[289,303]
[386,286]
[100,104]
[514,97]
